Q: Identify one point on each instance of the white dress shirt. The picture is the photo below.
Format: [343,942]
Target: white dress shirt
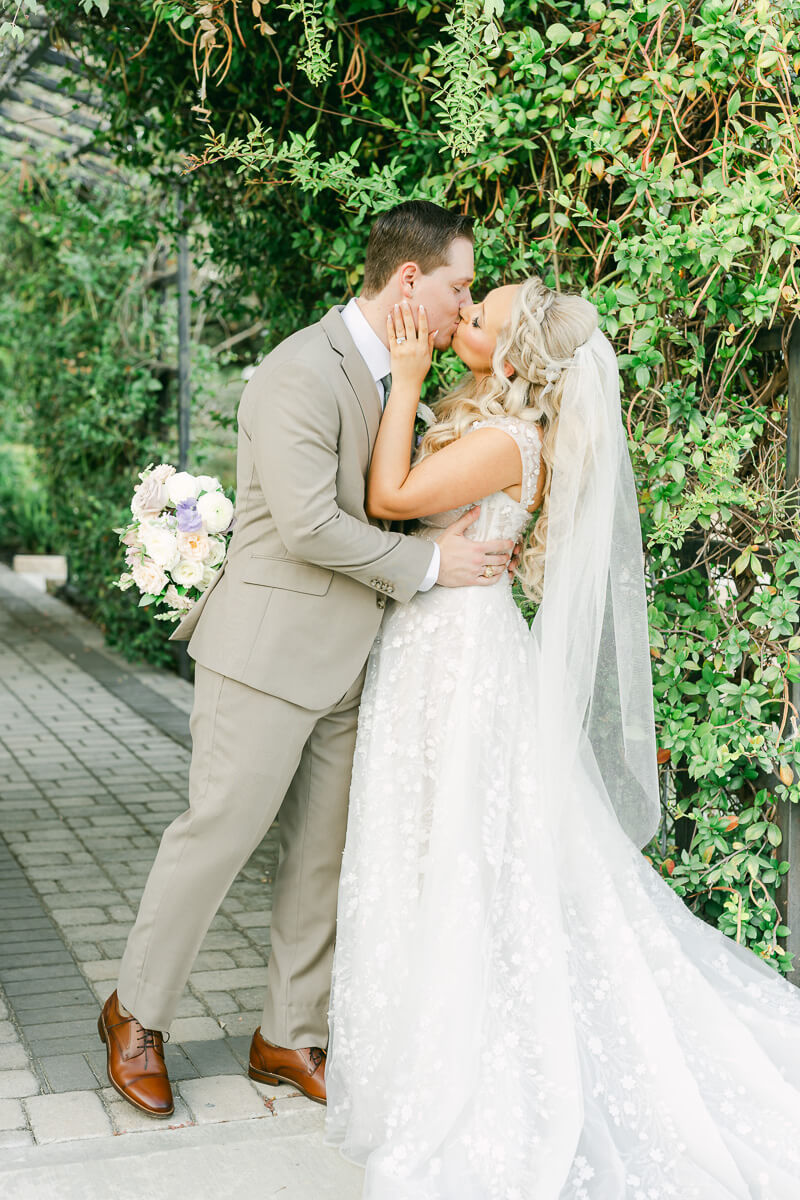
[379,362]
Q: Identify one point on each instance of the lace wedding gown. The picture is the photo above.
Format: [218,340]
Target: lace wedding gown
[522,1009]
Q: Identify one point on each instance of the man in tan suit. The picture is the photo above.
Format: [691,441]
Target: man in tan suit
[281,641]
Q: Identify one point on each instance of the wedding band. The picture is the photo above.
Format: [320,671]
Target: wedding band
[400,341]
[488,572]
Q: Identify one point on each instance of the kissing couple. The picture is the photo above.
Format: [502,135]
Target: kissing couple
[517,1006]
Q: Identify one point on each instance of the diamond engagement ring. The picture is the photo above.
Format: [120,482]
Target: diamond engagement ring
[400,341]
[488,572]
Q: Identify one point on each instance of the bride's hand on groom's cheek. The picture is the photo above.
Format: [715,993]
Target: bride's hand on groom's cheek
[411,347]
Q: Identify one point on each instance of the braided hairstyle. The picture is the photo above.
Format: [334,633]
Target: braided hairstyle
[545,330]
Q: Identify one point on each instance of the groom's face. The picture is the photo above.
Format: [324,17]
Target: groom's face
[445,291]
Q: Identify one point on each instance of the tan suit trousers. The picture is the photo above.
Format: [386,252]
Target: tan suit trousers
[254,757]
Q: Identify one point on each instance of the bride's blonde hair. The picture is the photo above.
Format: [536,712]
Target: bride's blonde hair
[545,330]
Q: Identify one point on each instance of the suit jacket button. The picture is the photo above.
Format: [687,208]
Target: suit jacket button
[380,601]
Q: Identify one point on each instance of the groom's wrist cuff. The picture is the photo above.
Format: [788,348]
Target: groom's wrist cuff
[433,570]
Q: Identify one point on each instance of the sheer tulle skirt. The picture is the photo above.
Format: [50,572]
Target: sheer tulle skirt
[522,1009]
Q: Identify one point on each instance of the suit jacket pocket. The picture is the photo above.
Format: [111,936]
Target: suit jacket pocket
[288,574]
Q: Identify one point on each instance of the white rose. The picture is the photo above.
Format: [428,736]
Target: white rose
[194,546]
[160,545]
[208,483]
[216,510]
[162,472]
[188,573]
[149,577]
[216,551]
[149,497]
[181,486]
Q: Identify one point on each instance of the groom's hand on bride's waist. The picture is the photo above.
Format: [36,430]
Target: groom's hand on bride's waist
[465,563]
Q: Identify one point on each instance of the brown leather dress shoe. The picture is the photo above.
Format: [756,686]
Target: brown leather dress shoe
[135,1061]
[304,1068]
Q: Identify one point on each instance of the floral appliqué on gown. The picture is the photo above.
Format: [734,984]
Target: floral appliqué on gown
[522,1009]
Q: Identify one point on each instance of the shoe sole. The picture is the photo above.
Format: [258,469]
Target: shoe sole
[266,1077]
[101,1029]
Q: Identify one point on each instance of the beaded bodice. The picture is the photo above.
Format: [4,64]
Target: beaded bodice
[501,517]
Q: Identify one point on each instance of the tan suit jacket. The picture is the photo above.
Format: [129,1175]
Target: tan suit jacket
[298,603]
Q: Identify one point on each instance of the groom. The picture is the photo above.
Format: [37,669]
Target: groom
[281,640]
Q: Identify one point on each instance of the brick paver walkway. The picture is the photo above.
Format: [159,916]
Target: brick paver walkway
[94,758]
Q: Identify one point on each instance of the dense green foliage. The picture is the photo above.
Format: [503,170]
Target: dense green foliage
[80,337]
[646,155]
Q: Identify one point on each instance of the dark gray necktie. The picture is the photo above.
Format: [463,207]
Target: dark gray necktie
[386,380]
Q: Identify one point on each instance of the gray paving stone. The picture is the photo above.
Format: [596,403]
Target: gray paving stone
[29,1004]
[29,979]
[12,1115]
[213,1058]
[68,1072]
[16,1137]
[221,1003]
[222,1098]
[13,1056]
[51,1047]
[247,956]
[78,916]
[59,1014]
[66,1116]
[15,959]
[15,1084]
[232,978]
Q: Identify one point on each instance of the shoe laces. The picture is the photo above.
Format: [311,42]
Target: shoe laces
[148,1040]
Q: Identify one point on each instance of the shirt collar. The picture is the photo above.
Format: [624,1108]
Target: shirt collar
[368,344]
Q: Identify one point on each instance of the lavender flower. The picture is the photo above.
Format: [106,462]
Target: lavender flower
[189,519]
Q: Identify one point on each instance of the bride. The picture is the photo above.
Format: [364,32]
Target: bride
[522,1009]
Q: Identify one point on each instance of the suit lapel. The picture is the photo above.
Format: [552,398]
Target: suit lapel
[355,371]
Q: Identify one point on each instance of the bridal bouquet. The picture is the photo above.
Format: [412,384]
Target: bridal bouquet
[176,543]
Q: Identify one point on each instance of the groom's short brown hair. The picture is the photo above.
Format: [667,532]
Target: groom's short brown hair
[415,231]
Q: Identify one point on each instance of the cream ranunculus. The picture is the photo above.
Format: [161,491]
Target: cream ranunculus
[160,544]
[216,510]
[149,577]
[208,483]
[216,551]
[194,546]
[181,486]
[188,573]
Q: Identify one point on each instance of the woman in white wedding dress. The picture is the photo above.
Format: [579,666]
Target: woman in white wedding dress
[522,1009]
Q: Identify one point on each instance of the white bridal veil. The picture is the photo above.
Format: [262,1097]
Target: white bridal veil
[596,705]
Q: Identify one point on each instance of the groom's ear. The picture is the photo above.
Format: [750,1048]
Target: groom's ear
[409,275]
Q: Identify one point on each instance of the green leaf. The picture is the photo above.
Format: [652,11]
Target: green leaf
[557,34]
